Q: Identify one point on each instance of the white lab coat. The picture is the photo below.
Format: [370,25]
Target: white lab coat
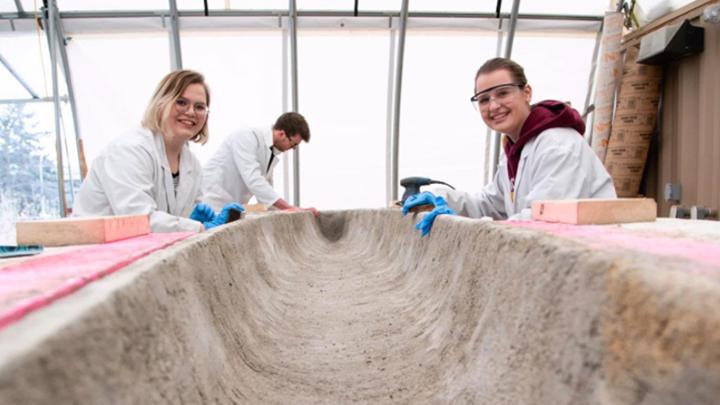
[239,169]
[132,176]
[557,164]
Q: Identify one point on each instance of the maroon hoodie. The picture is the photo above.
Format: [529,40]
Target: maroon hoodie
[543,115]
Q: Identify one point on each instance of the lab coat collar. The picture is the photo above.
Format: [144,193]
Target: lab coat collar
[185,168]
[514,184]
[166,172]
[269,142]
[184,194]
[186,163]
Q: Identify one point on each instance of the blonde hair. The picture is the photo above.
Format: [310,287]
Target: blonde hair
[170,88]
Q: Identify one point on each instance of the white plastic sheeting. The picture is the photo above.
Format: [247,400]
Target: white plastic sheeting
[116,62]
[344,99]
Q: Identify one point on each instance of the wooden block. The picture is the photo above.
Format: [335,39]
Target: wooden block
[422,208]
[255,208]
[594,211]
[81,231]
[418,208]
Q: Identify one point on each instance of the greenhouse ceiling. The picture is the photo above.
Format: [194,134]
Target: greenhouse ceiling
[87,16]
[163,21]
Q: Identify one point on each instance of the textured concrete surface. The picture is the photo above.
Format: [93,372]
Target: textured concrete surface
[356,308]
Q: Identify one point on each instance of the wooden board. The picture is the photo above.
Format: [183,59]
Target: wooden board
[688,12]
[422,208]
[594,211]
[255,208]
[81,231]
[418,208]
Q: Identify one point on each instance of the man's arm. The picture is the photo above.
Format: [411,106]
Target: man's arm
[246,163]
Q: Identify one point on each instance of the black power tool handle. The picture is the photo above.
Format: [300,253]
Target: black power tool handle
[412,185]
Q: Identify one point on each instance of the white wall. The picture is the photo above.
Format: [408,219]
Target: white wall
[343,88]
[343,94]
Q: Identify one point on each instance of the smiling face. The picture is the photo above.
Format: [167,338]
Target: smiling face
[504,112]
[188,113]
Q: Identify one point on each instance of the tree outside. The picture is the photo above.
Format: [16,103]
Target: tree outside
[28,173]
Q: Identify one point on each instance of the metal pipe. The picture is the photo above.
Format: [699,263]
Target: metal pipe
[82,165]
[17,77]
[508,53]
[489,138]
[294,84]
[498,8]
[50,20]
[389,117]
[398,94]
[700,212]
[591,83]
[513,26]
[32,100]
[19,7]
[71,181]
[175,51]
[285,106]
[304,13]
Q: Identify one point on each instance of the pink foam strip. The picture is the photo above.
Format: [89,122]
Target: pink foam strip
[603,237]
[37,282]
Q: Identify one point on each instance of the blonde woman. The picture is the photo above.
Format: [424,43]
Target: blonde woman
[151,170]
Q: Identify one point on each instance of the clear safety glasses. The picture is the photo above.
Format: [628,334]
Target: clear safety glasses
[500,94]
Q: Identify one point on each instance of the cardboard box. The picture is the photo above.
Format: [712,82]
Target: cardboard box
[633,125]
[627,153]
[635,103]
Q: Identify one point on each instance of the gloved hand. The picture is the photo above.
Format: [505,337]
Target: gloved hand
[424,198]
[440,208]
[224,215]
[202,213]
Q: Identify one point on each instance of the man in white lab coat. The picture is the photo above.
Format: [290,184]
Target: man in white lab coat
[243,165]
[546,157]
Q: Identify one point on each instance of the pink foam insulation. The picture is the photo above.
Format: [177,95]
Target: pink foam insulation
[354,306]
[603,237]
[37,282]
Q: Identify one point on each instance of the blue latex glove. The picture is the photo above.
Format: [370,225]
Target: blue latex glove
[202,213]
[441,208]
[424,198]
[222,217]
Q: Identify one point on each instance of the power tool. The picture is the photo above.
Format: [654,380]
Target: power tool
[412,185]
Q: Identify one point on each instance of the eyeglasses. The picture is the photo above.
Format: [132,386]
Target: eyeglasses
[183,105]
[500,93]
[293,143]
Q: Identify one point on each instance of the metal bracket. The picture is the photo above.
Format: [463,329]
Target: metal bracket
[679,212]
[673,192]
[700,212]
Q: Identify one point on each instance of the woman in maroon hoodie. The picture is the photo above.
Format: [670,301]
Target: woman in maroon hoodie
[546,157]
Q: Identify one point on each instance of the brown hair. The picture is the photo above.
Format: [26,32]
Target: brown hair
[170,88]
[293,123]
[517,71]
